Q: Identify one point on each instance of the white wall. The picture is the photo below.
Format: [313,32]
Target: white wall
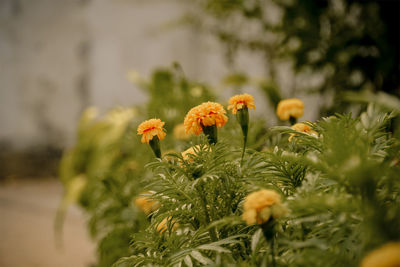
[40,70]
[59,56]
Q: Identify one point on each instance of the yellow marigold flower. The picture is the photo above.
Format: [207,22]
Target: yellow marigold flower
[261,205]
[303,128]
[146,204]
[150,128]
[238,102]
[163,226]
[291,107]
[206,114]
[180,133]
[191,150]
[386,256]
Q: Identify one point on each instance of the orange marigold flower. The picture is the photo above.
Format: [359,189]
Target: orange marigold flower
[150,128]
[238,102]
[146,204]
[164,224]
[291,107]
[261,205]
[303,128]
[386,256]
[206,114]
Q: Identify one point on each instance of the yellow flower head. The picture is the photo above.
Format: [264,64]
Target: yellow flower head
[146,204]
[191,150]
[261,205]
[303,128]
[180,133]
[386,256]
[238,102]
[150,128]
[206,114]
[291,107]
[163,225]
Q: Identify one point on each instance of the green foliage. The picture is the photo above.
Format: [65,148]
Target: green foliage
[104,172]
[341,187]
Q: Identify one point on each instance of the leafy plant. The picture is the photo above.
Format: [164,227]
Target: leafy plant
[340,184]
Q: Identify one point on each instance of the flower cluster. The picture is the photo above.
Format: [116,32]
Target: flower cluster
[206,114]
[262,205]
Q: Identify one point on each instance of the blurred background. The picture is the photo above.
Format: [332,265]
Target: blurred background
[59,57]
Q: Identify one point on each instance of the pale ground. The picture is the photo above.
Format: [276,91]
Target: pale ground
[27,210]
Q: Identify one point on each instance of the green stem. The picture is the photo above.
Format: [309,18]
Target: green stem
[272,243]
[155,146]
[211,133]
[292,120]
[244,146]
[207,215]
[242,116]
[269,234]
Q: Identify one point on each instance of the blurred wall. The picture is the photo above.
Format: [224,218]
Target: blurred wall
[59,56]
[41,77]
